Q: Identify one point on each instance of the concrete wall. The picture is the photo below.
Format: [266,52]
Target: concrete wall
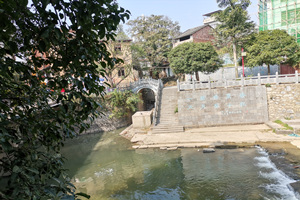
[223,106]
[142,119]
[284,101]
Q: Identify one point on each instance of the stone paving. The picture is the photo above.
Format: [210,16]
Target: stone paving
[212,136]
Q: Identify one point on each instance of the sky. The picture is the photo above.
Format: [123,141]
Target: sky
[188,13]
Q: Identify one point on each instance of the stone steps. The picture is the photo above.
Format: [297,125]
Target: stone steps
[294,123]
[291,122]
[168,120]
[167,128]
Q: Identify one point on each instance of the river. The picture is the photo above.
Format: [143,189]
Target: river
[106,167]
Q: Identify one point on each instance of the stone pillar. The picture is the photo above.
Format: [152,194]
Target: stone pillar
[194,84]
[242,79]
[142,119]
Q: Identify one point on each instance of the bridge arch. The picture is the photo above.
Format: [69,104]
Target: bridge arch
[151,84]
[149,91]
[137,90]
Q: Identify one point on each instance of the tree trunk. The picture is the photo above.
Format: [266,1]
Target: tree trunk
[269,70]
[235,60]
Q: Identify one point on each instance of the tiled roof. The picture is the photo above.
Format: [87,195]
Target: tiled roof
[191,31]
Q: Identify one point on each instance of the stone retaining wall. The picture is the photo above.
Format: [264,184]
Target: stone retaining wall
[105,123]
[223,106]
[284,101]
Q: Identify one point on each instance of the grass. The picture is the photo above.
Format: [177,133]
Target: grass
[286,126]
[268,85]
[176,110]
[228,65]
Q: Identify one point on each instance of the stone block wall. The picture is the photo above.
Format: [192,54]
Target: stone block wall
[224,106]
[105,123]
[284,101]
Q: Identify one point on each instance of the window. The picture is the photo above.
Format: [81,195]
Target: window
[118,47]
[121,72]
[185,38]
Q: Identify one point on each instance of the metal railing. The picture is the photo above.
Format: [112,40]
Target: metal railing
[239,82]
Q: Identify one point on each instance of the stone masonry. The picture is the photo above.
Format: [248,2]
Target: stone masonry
[223,106]
[284,101]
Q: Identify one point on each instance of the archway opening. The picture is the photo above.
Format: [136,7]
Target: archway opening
[148,100]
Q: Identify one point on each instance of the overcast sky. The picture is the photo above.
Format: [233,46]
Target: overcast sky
[189,13]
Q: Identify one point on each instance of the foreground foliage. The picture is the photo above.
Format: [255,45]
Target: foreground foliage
[54,42]
[188,58]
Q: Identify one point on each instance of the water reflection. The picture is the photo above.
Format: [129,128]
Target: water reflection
[105,167]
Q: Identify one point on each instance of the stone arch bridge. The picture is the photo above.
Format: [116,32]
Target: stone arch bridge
[155,85]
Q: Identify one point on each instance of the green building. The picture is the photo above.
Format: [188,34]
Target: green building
[280,14]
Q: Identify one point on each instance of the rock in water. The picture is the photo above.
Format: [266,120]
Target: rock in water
[172,148]
[208,150]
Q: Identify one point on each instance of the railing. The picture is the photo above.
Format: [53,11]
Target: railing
[240,82]
[157,102]
[137,84]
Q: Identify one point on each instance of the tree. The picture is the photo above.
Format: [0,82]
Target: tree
[234,27]
[193,57]
[154,36]
[272,47]
[58,43]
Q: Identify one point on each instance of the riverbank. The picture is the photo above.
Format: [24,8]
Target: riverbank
[207,137]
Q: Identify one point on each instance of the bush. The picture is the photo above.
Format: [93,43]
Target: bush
[122,103]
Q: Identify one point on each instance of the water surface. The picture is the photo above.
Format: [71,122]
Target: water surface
[105,167]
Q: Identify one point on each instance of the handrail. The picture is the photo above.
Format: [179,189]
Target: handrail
[132,85]
[157,102]
[242,81]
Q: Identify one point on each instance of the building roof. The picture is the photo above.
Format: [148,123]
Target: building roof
[191,31]
[211,13]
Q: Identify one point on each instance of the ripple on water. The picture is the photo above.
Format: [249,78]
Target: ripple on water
[106,168]
[278,181]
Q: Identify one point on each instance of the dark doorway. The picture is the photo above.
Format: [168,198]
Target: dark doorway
[148,100]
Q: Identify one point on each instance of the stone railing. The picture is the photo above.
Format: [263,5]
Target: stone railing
[137,85]
[157,104]
[240,82]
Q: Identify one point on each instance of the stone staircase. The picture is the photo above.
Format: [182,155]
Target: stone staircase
[167,118]
[294,123]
